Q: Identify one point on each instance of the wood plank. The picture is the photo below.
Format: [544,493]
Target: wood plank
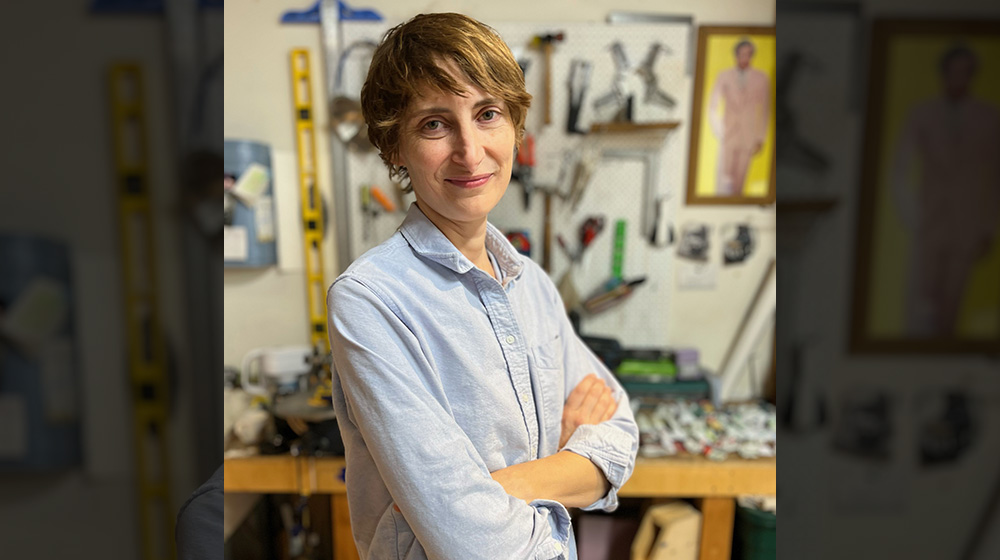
[716,528]
[273,474]
[322,474]
[679,477]
[691,476]
[633,127]
[343,540]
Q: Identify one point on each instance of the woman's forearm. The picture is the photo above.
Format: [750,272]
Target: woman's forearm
[567,478]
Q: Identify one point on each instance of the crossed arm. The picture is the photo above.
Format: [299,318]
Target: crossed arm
[565,477]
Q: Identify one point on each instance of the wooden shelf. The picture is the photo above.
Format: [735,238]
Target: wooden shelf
[633,127]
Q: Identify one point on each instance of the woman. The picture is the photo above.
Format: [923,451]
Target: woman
[472,414]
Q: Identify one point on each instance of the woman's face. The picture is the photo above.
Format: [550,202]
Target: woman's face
[458,152]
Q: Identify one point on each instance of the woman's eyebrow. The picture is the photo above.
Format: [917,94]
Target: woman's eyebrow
[435,110]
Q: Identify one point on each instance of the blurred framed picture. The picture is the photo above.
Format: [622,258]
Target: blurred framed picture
[927,277]
[731,155]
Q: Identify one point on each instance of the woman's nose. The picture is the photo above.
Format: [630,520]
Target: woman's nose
[468,150]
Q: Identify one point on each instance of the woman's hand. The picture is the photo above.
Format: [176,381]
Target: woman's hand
[590,402]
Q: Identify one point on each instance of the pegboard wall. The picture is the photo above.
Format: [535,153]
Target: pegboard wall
[618,188]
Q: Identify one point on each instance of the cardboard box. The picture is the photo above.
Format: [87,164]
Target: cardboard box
[669,531]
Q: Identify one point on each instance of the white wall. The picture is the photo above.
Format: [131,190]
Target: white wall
[257,107]
[268,307]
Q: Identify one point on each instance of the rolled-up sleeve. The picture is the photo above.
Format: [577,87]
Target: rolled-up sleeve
[611,445]
[427,463]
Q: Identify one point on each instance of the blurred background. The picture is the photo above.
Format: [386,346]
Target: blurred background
[887,195]
[110,273]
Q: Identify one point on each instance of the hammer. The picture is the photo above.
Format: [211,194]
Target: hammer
[545,41]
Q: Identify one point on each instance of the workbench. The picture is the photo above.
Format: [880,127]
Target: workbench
[714,484]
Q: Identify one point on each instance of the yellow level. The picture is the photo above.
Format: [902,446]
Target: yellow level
[312,206]
[146,348]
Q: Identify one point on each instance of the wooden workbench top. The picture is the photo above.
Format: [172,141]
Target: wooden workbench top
[680,476]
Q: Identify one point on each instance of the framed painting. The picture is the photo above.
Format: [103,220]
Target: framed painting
[927,276]
[732,150]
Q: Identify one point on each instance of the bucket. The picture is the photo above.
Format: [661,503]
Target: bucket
[756,535]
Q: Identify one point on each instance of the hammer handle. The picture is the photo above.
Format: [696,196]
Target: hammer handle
[547,49]
[547,235]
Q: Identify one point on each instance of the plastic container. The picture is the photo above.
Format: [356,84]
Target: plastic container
[255,224]
[39,390]
[756,535]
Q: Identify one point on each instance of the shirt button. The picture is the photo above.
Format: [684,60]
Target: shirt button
[524,399]
[510,339]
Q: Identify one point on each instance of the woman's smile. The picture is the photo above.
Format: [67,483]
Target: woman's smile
[470,182]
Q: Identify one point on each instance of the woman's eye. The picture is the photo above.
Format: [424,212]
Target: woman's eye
[490,114]
[432,125]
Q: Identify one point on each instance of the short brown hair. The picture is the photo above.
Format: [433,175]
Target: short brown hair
[408,58]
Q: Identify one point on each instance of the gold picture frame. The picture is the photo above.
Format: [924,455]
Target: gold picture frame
[925,281]
[731,158]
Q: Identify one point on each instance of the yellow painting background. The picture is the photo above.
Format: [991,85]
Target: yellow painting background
[912,76]
[718,57]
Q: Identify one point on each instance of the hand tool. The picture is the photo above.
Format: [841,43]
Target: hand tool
[579,78]
[345,112]
[589,229]
[662,233]
[525,168]
[368,212]
[581,178]
[566,286]
[372,198]
[547,234]
[609,298]
[653,92]
[618,254]
[567,290]
[523,62]
[562,245]
[387,204]
[617,95]
[545,41]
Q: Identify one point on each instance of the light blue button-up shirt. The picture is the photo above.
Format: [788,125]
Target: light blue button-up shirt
[444,375]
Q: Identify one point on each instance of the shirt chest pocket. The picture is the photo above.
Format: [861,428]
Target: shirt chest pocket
[547,362]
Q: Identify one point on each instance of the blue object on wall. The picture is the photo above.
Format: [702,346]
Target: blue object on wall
[39,387]
[347,13]
[237,156]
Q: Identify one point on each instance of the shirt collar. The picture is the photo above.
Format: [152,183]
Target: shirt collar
[428,241]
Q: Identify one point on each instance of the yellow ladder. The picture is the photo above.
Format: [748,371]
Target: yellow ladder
[312,206]
[146,347]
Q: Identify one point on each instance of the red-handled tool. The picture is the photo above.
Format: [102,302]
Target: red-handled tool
[525,168]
